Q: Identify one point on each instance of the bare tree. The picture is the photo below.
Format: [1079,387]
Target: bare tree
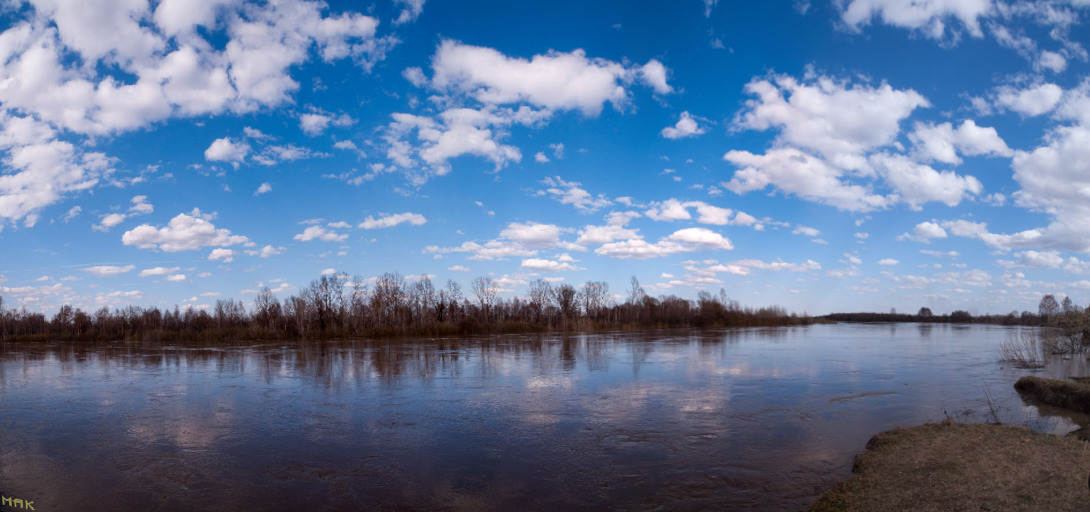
[1048,306]
[541,297]
[484,288]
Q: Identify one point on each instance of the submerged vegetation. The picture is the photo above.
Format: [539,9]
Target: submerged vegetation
[1023,349]
[336,306]
[1059,393]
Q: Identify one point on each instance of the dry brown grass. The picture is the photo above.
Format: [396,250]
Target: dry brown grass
[955,466]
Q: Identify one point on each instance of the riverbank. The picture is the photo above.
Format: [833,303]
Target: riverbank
[958,466]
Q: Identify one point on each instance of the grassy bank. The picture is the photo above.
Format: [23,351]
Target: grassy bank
[957,466]
[1059,393]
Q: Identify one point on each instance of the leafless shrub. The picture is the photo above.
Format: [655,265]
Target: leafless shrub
[1023,349]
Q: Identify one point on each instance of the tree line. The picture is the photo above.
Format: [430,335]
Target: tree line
[339,306]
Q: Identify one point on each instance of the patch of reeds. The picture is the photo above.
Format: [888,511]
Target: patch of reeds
[1059,393]
[1023,349]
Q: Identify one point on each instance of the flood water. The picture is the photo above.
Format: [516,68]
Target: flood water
[761,419]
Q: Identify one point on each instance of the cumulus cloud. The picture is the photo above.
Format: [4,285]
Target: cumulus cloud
[943,142]
[158,271]
[266,251]
[41,170]
[265,187]
[225,255]
[544,265]
[533,234]
[685,127]
[684,240]
[391,220]
[673,209]
[557,81]
[917,183]
[833,134]
[227,150]
[795,172]
[924,232]
[185,232]
[613,230]
[320,233]
[835,119]
[653,74]
[569,192]
[456,132]
[929,18]
[488,251]
[101,67]
[109,220]
[1032,101]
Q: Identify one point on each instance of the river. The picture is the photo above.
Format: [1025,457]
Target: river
[754,419]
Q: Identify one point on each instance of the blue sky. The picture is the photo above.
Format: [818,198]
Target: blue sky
[824,156]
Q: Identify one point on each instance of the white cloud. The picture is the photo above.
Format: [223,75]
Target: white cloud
[1032,101]
[569,192]
[544,265]
[458,268]
[836,119]
[100,67]
[685,127]
[926,17]
[562,81]
[185,232]
[1043,259]
[614,230]
[110,220]
[942,142]
[158,271]
[457,132]
[684,240]
[265,187]
[917,183]
[491,250]
[72,213]
[804,230]
[540,158]
[533,235]
[227,255]
[925,231]
[668,211]
[320,233]
[702,238]
[889,262]
[266,251]
[226,150]
[178,278]
[388,220]
[794,172]
[40,170]
[1053,178]
[314,124]
[410,11]
[653,74]
[140,205]
[108,270]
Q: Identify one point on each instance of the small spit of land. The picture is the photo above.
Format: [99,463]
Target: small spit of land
[958,466]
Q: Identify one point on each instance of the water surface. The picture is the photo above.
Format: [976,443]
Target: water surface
[671,420]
